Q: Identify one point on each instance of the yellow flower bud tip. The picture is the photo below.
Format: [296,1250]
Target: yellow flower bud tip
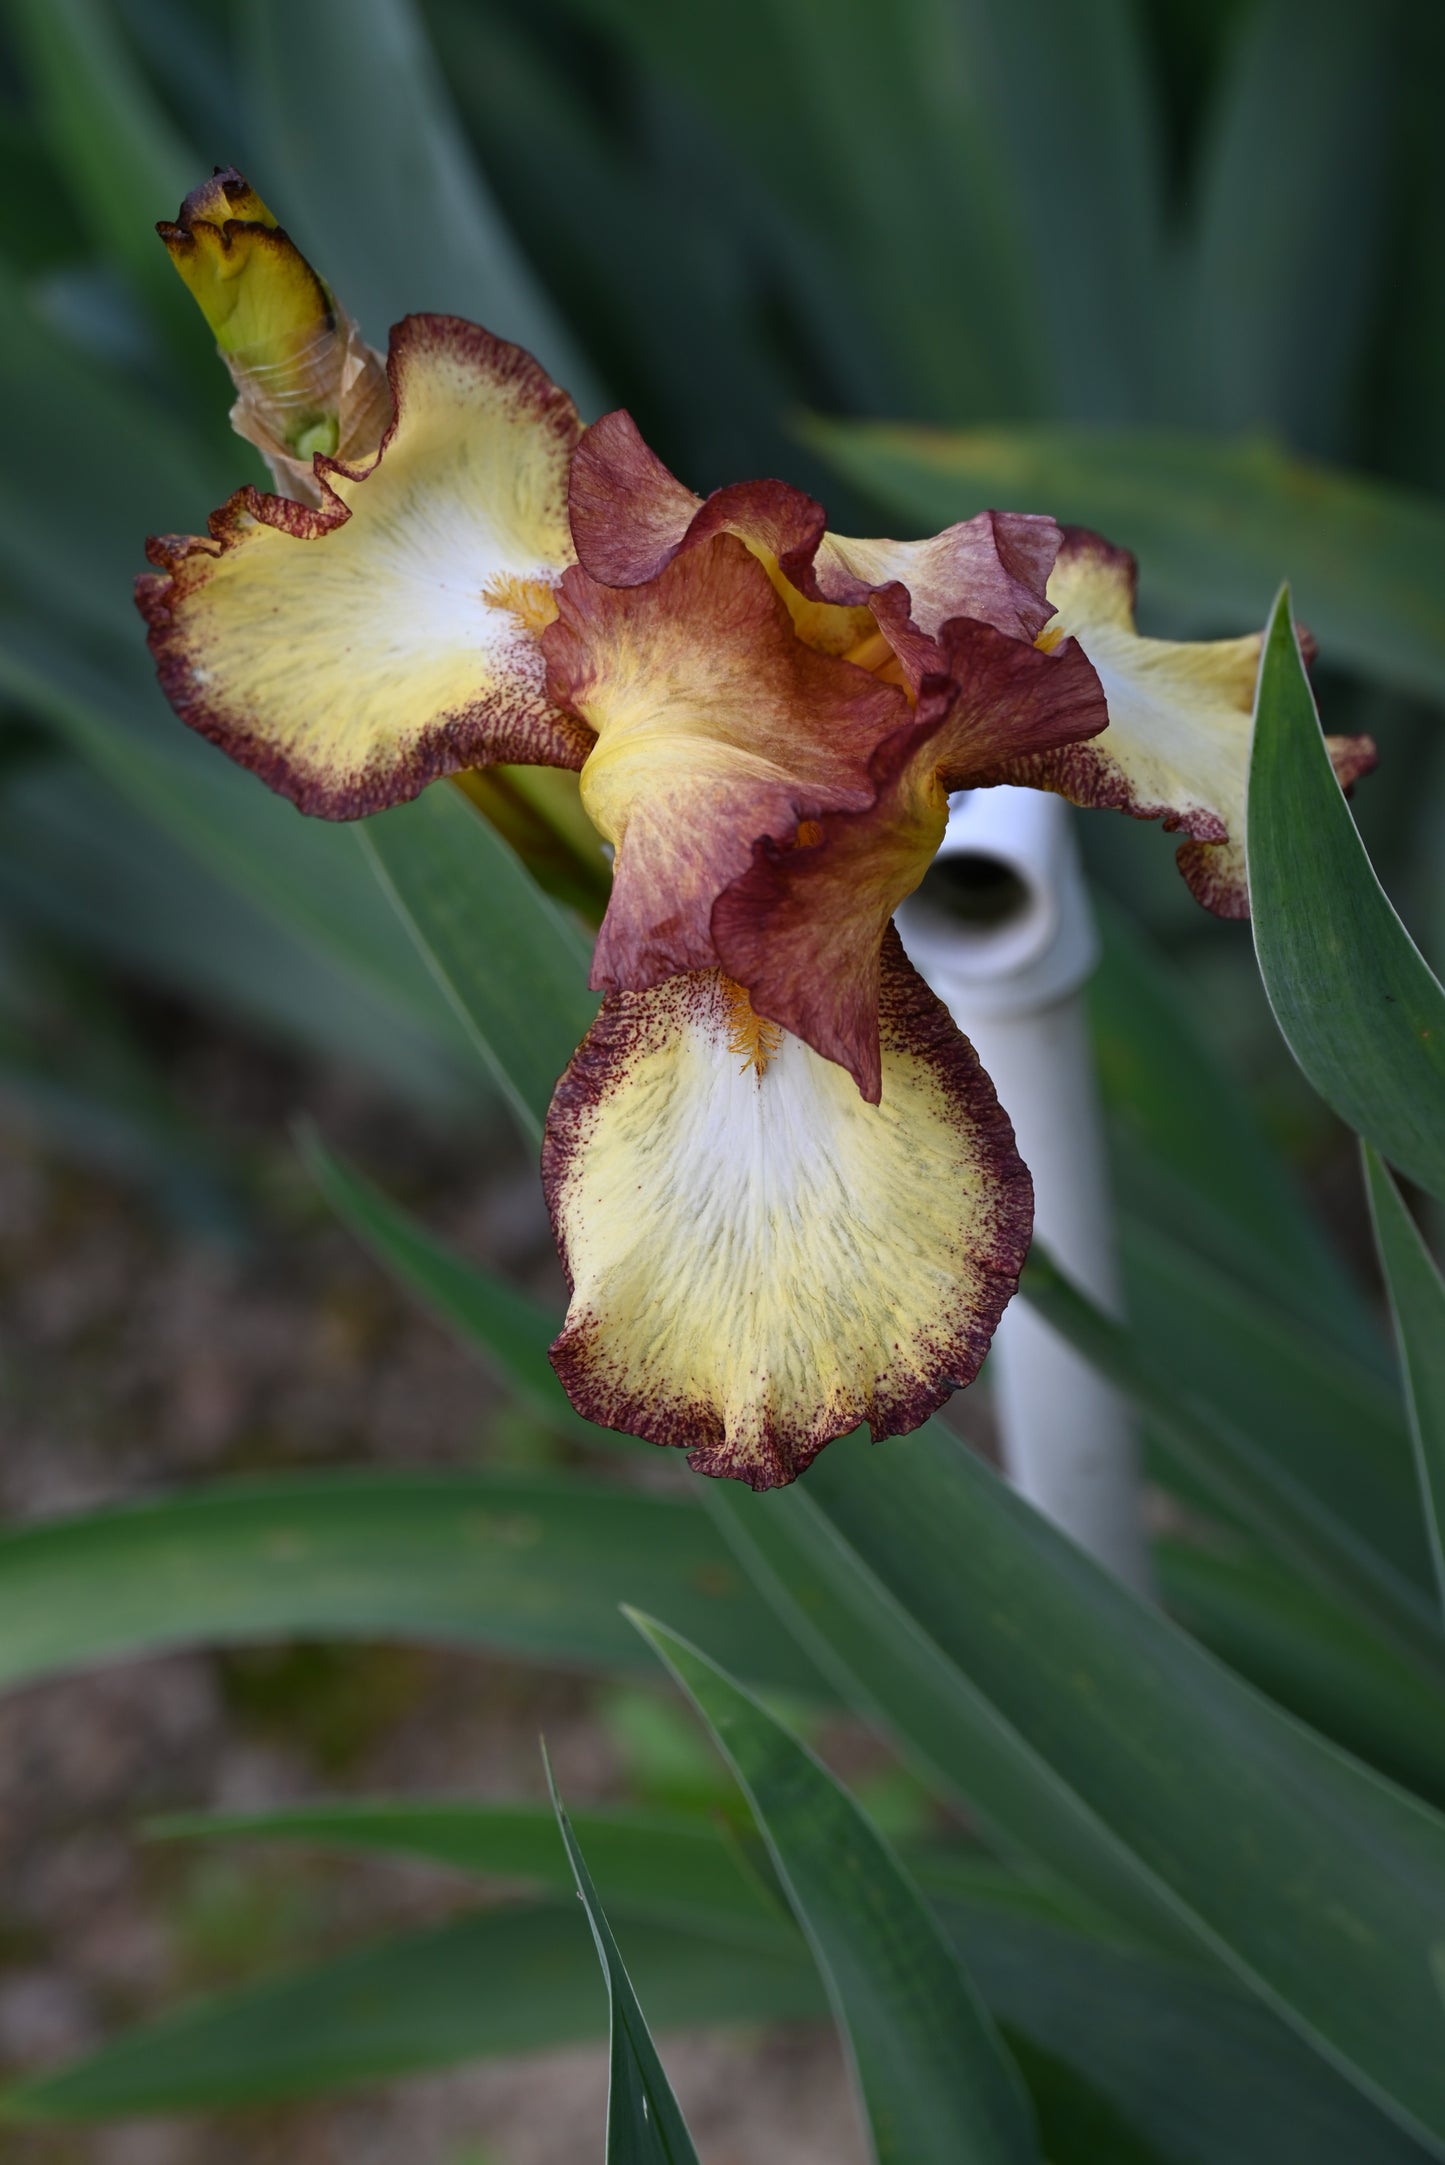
[227,194]
[251,283]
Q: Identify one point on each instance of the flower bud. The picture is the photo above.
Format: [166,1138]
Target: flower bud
[306,382]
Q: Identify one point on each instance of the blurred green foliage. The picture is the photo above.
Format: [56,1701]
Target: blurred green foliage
[1226,222]
[1171,267]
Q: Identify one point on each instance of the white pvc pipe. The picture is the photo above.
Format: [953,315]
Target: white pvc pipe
[1001,929]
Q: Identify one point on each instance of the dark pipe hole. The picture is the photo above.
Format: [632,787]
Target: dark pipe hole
[973,889]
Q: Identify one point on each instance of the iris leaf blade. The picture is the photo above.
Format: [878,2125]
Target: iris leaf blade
[531,1567]
[881,1663]
[644,2125]
[68,545]
[1310,1654]
[377,181]
[304,875]
[936,2084]
[521,998]
[1256,349]
[675,1866]
[508,1327]
[1356,1002]
[1417,1303]
[1229,1464]
[1317,1882]
[1295,1395]
[113,141]
[77,863]
[1203,2074]
[496,1982]
[1172,1099]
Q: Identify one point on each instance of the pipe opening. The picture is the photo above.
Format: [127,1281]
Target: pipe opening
[971,887]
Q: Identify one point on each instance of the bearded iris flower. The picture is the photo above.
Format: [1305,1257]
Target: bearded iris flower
[785,1194]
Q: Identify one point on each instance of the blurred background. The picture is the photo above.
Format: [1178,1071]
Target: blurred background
[1175,268]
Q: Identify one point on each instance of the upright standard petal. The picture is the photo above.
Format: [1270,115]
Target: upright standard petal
[714,725]
[351,654]
[803,927]
[631,516]
[1180,721]
[760,1260]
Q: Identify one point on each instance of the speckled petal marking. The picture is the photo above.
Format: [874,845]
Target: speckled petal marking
[351,654]
[1180,724]
[759,1259]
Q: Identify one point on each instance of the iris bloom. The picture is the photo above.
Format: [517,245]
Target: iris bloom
[783,1189]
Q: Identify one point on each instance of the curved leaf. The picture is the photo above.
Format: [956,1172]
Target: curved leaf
[502,1981]
[363,158]
[1175,1103]
[512,964]
[1230,1465]
[669,1865]
[644,2125]
[114,143]
[937,2087]
[1359,1007]
[510,1328]
[1283,216]
[1321,1885]
[529,1567]
[1417,1302]
[1203,2074]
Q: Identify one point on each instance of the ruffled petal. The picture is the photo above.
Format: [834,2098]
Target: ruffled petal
[631,516]
[802,927]
[714,726]
[993,567]
[759,1260]
[629,513]
[351,654]
[1180,724]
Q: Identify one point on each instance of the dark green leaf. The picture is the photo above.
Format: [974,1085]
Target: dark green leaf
[937,2086]
[77,862]
[512,1330]
[914,183]
[376,181]
[122,160]
[93,467]
[1317,1882]
[1294,1390]
[1417,1302]
[879,1661]
[1193,2066]
[508,1981]
[1310,1654]
[1206,2075]
[1213,525]
[512,963]
[305,874]
[675,1867]
[982,138]
[644,2126]
[1360,1010]
[1229,1464]
[531,1567]
[1282,215]
[1173,1101]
